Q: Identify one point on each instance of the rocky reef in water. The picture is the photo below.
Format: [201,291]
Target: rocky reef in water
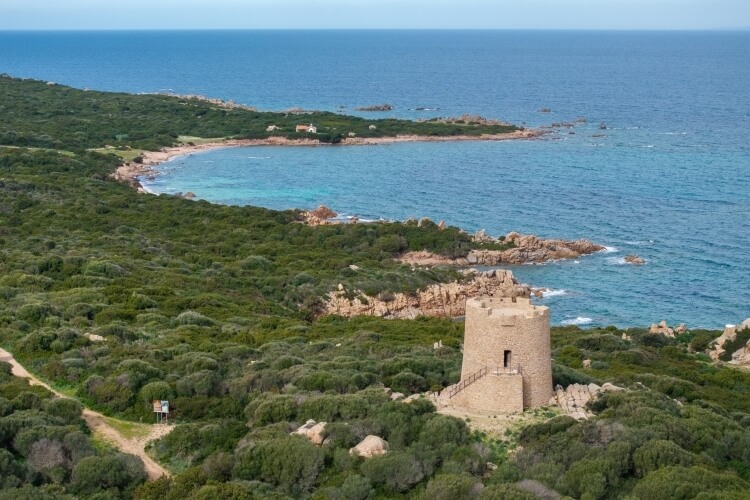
[377,107]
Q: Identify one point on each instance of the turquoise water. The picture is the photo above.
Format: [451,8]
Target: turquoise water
[669,179]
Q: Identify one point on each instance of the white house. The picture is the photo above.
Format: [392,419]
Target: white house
[310,129]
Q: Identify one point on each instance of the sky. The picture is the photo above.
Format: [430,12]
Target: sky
[372,14]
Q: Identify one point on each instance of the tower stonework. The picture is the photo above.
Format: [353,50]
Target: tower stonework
[507,362]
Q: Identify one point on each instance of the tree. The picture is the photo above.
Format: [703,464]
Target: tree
[67,409]
[95,474]
[450,486]
[48,458]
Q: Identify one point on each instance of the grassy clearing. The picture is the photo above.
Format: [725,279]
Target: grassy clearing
[48,150]
[124,154]
[129,430]
[197,141]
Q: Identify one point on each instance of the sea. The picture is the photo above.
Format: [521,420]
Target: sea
[652,158]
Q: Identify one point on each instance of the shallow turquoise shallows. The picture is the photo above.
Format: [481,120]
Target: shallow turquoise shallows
[661,167]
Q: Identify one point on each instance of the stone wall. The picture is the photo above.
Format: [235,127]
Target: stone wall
[497,325]
[493,393]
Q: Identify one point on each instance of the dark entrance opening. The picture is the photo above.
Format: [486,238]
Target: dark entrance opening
[506,359]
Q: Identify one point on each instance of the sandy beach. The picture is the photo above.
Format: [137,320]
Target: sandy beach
[130,172]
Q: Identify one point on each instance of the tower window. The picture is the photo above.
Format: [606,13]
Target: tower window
[506,359]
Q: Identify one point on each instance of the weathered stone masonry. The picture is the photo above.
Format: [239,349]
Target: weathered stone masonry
[507,364]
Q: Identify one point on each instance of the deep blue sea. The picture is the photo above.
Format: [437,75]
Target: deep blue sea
[668,179]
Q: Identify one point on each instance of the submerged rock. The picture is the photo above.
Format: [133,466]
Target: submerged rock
[635,259]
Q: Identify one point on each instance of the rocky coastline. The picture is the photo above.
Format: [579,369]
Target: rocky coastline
[446,300]
[441,300]
[449,299]
[527,249]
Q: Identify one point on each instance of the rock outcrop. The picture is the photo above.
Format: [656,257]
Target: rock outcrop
[742,355]
[527,249]
[532,249]
[443,299]
[663,329]
[319,216]
[313,431]
[370,446]
[572,400]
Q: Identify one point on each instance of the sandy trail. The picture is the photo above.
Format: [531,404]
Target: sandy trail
[98,424]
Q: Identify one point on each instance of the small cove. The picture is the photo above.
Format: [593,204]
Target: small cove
[610,190]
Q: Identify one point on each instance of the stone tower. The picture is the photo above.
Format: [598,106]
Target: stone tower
[507,364]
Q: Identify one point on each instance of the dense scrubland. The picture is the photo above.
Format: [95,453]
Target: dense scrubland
[47,453]
[215,308]
[37,114]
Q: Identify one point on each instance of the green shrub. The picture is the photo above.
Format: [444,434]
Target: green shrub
[99,474]
[291,463]
[192,318]
[570,356]
[452,486]
[565,376]
[687,482]
[274,409]
[397,471]
[66,409]
[660,453]
[36,313]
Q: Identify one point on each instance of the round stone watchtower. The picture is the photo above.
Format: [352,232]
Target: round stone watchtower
[507,363]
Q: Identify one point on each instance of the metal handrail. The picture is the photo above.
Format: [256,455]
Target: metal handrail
[468,381]
[507,370]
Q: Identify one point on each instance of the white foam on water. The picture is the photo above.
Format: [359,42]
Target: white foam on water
[639,242]
[616,261]
[548,292]
[609,250]
[580,320]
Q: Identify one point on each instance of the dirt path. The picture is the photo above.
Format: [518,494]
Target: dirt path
[98,424]
[500,426]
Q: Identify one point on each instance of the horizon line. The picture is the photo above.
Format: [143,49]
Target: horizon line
[737,28]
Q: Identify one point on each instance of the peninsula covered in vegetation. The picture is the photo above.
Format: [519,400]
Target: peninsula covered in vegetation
[117,299]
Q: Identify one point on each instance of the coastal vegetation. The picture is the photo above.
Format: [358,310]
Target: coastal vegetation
[46,451]
[119,298]
[45,115]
